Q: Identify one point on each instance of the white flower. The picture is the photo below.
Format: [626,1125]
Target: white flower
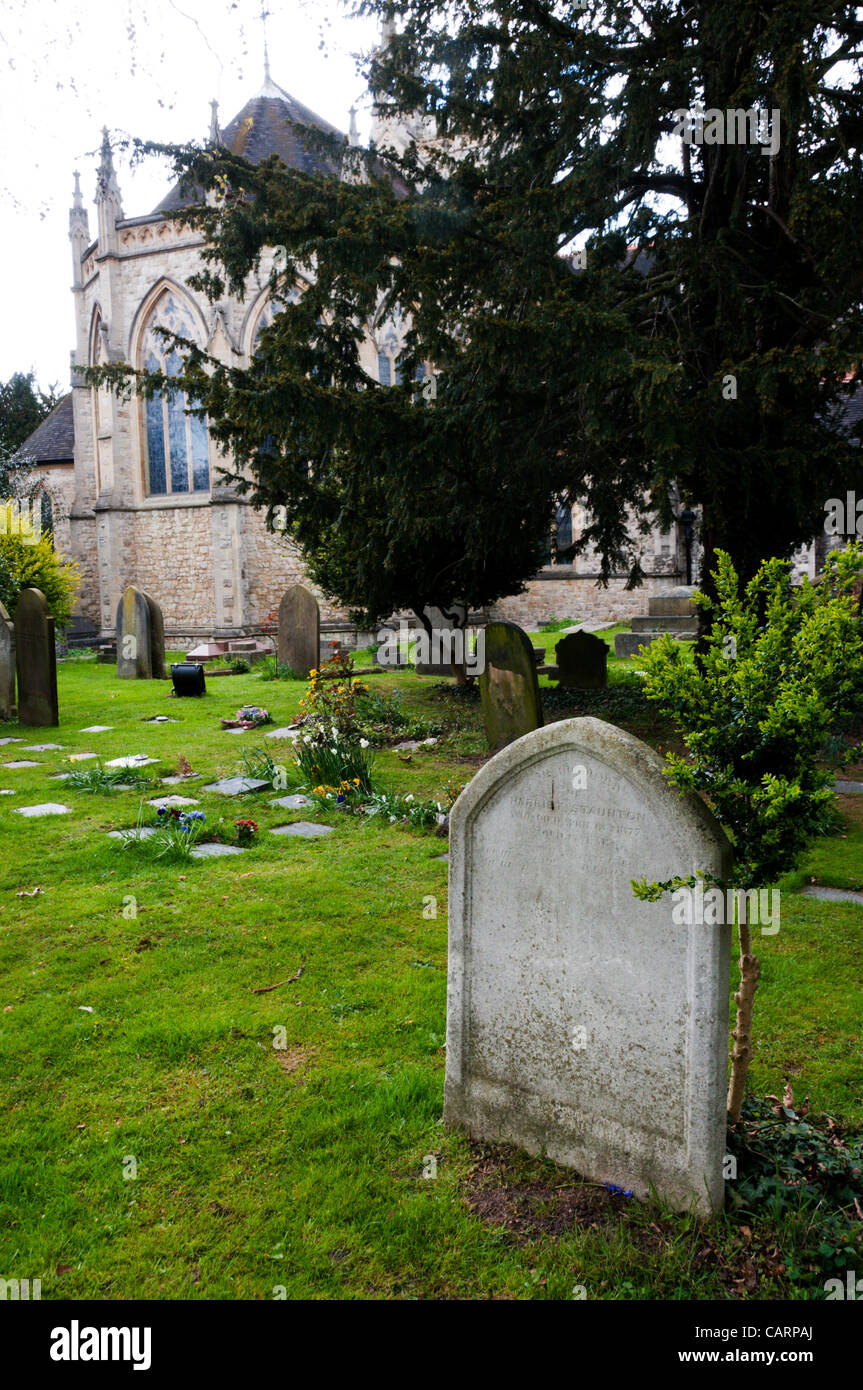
[364,743]
[409,798]
[335,734]
[334,750]
[392,820]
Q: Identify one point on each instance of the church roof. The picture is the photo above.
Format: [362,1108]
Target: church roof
[268,125]
[53,441]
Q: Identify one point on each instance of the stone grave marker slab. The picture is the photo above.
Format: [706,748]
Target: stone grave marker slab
[4,741]
[581,1021]
[582,661]
[48,808]
[43,748]
[180,781]
[81,757]
[134,834]
[97,729]
[291,803]
[299,643]
[133,760]
[305,829]
[7,665]
[237,786]
[284,733]
[36,661]
[214,851]
[6,791]
[509,689]
[24,762]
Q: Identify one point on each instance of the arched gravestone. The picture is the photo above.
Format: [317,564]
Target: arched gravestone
[140,637]
[299,631]
[36,661]
[508,686]
[582,661]
[7,665]
[580,1020]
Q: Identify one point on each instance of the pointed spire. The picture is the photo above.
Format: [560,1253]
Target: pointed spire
[79,230]
[107,187]
[353,133]
[215,130]
[266,53]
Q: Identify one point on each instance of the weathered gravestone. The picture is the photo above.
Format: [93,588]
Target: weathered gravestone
[582,661]
[140,637]
[36,661]
[508,686]
[444,646]
[299,631]
[7,665]
[581,1021]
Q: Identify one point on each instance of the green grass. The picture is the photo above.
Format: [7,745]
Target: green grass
[129,1030]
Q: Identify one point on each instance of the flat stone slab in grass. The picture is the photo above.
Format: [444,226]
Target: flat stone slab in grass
[25,762]
[160,719]
[291,803]
[7,791]
[48,808]
[235,786]
[44,747]
[4,741]
[849,788]
[97,729]
[81,757]
[135,760]
[833,895]
[174,801]
[284,733]
[59,776]
[180,781]
[134,834]
[306,829]
[214,851]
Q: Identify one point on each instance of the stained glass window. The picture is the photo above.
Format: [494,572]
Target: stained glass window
[178,456]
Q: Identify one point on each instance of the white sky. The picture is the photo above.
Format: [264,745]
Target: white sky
[143,69]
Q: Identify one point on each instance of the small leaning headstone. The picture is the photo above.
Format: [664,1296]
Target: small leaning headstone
[7,665]
[582,661]
[299,644]
[36,661]
[508,686]
[134,656]
[582,1022]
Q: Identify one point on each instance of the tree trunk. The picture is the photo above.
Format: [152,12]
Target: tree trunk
[744,999]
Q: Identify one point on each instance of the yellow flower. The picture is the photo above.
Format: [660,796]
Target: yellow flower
[356,781]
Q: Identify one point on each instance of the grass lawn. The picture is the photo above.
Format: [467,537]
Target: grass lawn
[158,1143]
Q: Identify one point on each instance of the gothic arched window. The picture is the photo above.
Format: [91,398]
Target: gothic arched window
[177,444]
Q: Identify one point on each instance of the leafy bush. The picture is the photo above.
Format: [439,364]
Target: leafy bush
[787,1165]
[780,667]
[37,566]
[176,834]
[423,815]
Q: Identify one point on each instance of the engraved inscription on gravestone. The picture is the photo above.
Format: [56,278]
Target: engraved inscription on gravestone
[580,1019]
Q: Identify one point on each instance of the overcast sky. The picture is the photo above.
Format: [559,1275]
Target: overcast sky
[149,70]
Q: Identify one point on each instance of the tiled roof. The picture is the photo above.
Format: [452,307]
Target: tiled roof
[268,125]
[54,440]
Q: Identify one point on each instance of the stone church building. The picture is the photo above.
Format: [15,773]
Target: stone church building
[133,485]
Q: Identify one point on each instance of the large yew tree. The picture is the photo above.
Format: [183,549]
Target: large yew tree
[702,355]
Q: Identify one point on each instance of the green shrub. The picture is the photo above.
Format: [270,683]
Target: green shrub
[37,566]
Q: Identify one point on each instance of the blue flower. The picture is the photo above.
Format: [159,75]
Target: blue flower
[616,1191]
